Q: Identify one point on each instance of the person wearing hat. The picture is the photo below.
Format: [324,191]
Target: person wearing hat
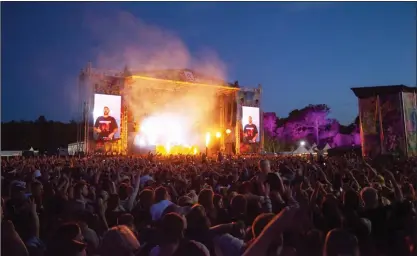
[14,207]
[67,241]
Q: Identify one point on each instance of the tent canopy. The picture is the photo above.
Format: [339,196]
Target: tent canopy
[301,150]
[314,148]
[326,147]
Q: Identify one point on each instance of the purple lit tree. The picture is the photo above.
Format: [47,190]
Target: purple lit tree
[310,121]
[270,123]
[272,141]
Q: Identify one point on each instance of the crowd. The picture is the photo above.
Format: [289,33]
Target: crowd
[189,205]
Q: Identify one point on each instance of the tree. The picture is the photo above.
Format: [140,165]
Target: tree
[41,134]
[41,120]
[270,123]
[309,121]
[271,144]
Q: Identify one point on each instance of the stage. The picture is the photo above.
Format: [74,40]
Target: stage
[168,111]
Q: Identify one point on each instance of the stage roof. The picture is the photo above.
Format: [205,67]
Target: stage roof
[365,92]
[178,79]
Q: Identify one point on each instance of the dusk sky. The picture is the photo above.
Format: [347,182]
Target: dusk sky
[301,52]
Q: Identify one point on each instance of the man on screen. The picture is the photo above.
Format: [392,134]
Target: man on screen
[250,132]
[105,126]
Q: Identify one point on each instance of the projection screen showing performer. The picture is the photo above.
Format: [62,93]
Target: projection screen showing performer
[107,115]
[250,132]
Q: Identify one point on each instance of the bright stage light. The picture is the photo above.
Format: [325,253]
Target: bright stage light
[302,143]
[168,147]
[169,133]
[207,139]
[218,134]
[228,131]
[176,150]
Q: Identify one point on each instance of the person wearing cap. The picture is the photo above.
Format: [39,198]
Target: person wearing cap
[67,241]
[90,235]
[16,201]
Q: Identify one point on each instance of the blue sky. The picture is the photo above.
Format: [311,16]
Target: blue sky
[300,52]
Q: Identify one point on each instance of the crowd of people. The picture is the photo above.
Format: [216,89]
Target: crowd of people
[192,205]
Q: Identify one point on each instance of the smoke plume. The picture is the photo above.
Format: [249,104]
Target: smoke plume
[125,40]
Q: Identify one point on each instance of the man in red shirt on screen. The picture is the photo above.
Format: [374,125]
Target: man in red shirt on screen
[250,132]
[105,126]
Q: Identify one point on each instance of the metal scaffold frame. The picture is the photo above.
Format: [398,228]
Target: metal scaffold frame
[90,78]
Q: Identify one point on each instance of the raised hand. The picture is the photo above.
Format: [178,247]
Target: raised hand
[32,205]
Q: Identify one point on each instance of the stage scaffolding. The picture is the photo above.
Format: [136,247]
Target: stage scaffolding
[91,82]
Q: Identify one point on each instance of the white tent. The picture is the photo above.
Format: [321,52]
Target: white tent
[301,150]
[326,147]
[31,149]
[313,148]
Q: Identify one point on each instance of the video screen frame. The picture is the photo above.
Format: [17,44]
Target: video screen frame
[251,130]
[106,126]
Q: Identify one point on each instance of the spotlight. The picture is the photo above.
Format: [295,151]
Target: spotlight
[302,143]
[207,139]
[228,131]
[218,134]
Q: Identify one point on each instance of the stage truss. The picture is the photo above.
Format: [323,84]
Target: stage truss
[118,83]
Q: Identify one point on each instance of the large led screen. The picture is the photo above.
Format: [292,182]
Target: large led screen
[107,115]
[250,135]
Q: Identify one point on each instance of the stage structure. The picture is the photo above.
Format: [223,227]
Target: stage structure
[388,120]
[110,101]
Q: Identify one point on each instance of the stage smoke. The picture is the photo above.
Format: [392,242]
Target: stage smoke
[124,40]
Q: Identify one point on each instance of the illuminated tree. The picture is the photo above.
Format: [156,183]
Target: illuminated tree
[270,123]
[308,122]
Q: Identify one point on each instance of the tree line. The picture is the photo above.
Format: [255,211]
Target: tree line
[40,134]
